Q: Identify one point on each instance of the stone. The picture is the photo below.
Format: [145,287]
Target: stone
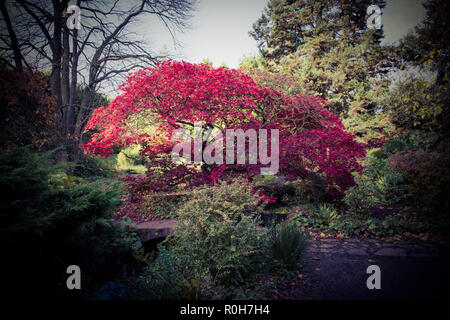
[391,252]
[352,241]
[430,253]
[155,229]
[357,252]
[328,241]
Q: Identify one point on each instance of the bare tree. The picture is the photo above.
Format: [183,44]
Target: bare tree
[103,49]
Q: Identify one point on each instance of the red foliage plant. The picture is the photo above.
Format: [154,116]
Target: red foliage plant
[427,174]
[28,110]
[178,94]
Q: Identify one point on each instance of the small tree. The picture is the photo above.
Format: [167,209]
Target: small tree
[178,94]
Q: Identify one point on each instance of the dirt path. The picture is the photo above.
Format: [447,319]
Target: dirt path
[336,269]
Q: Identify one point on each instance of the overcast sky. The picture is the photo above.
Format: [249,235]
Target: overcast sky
[219,29]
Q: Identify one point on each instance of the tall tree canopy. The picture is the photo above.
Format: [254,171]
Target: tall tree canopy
[285,25]
[328,48]
[429,45]
[35,34]
[424,103]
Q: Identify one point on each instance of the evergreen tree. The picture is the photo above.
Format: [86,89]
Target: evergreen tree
[285,25]
[429,45]
[327,47]
[423,104]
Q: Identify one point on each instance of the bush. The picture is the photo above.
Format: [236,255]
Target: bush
[279,191]
[414,139]
[301,191]
[419,104]
[90,167]
[148,207]
[46,227]
[287,243]
[28,110]
[324,215]
[324,219]
[427,176]
[216,251]
[61,180]
[378,185]
[165,278]
[218,229]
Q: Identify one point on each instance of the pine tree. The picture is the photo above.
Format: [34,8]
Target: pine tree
[327,47]
[430,44]
[286,25]
[424,104]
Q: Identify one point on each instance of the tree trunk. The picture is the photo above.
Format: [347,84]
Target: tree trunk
[55,77]
[70,117]
[65,84]
[86,102]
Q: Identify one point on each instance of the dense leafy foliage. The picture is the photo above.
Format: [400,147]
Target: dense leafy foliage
[218,250]
[429,44]
[419,104]
[179,93]
[218,229]
[427,174]
[329,51]
[379,185]
[27,109]
[287,243]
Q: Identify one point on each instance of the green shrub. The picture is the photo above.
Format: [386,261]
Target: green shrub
[91,167]
[418,104]
[60,180]
[378,185]
[287,243]
[46,227]
[216,250]
[370,226]
[360,197]
[324,219]
[324,215]
[218,229]
[165,278]
[150,206]
[411,140]
[260,179]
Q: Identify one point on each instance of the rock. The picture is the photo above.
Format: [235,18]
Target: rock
[155,229]
[357,252]
[430,253]
[391,252]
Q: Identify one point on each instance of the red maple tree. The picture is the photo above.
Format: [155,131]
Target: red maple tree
[177,94]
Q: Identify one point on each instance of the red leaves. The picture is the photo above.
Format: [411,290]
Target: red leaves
[179,93]
[27,108]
